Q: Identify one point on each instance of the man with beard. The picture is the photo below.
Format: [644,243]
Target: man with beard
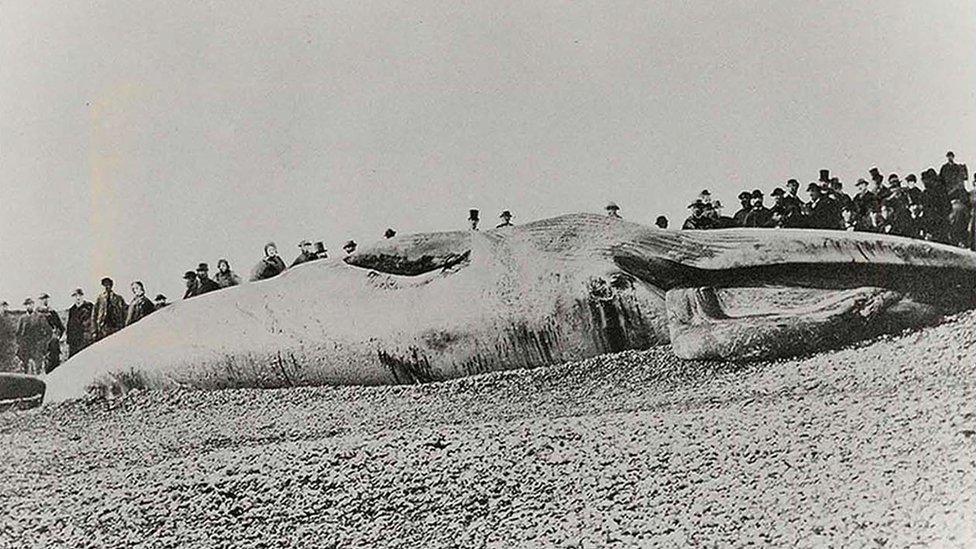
[140,306]
[33,333]
[759,215]
[893,223]
[79,332]
[745,201]
[307,253]
[108,314]
[824,212]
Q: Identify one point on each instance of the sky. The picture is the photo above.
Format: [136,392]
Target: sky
[139,138]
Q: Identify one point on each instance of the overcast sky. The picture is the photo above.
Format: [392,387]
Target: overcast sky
[139,138]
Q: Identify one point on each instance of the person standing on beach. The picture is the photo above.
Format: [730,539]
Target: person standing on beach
[52,355]
[108,314]
[79,330]
[140,307]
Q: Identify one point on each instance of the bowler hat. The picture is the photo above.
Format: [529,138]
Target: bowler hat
[612,206]
[861,182]
[757,193]
[950,153]
[77,292]
[389,233]
[813,186]
[892,176]
[107,282]
[744,195]
[203,267]
[28,301]
[777,192]
[696,204]
[505,213]
[705,192]
[160,297]
[793,182]
[189,275]
[44,296]
[304,243]
[910,177]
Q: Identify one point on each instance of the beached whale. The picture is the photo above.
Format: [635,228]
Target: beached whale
[428,307]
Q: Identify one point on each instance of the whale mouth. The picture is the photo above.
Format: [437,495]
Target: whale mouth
[405,265]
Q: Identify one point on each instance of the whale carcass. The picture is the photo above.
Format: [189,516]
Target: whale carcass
[428,307]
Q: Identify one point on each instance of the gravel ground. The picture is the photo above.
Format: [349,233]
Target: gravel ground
[868,446]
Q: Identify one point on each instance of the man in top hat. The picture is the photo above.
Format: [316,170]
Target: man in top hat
[759,215]
[52,358]
[79,329]
[661,222]
[140,307]
[350,247]
[473,219]
[108,314]
[321,252]
[204,283]
[389,233]
[745,203]
[824,212]
[697,220]
[270,266]
[824,176]
[877,183]
[506,218]
[954,176]
[160,301]
[613,210]
[306,254]
[835,190]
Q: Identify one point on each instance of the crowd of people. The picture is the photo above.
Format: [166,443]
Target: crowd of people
[940,210]
[38,332]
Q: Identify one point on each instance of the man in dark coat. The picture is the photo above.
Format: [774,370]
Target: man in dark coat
[954,176]
[79,332]
[8,340]
[108,314]
[864,198]
[936,204]
[270,266]
[894,223]
[792,198]
[786,213]
[33,333]
[204,283]
[140,306]
[307,253]
[506,218]
[958,225]
[52,358]
[697,219]
[759,215]
[190,279]
[824,212]
[745,201]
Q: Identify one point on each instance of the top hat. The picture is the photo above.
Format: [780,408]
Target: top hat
[319,248]
[472,215]
[825,175]
[875,173]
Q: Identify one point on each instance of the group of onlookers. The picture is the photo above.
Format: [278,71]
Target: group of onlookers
[940,210]
[38,332]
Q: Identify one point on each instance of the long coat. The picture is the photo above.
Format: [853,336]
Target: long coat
[108,315]
[139,309]
[267,268]
[79,333]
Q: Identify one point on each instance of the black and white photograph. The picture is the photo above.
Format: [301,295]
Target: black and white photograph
[487,274]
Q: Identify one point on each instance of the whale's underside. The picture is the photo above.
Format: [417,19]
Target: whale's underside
[428,307]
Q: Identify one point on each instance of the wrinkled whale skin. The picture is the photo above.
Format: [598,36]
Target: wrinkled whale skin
[428,307]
